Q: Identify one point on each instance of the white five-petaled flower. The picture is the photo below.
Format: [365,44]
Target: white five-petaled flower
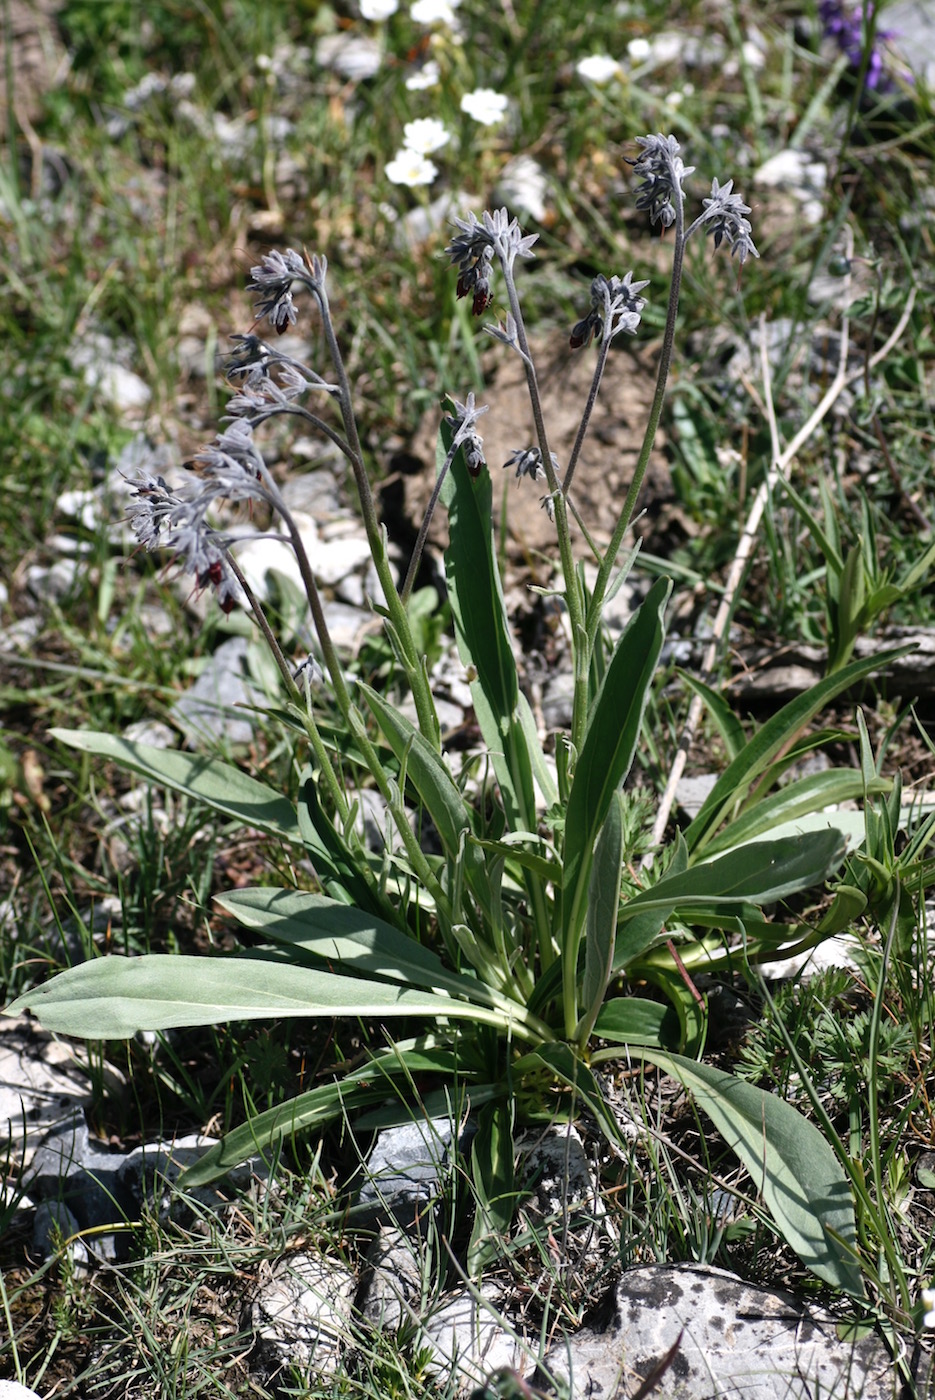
[429,75]
[411,168]
[434,11]
[638,49]
[378,9]
[485,106]
[928,1302]
[425,135]
[599,68]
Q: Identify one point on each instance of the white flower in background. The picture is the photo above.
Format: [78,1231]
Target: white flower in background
[928,1302]
[411,168]
[485,106]
[678,95]
[753,54]
[434,11]
[639,49]
[600,68]
[426,135]
[378,9]
[429,75]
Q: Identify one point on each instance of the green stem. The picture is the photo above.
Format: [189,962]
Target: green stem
[580,649]
[376,537]
[586,415]
[655,413]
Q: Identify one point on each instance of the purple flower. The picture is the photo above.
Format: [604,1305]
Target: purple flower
[846,27]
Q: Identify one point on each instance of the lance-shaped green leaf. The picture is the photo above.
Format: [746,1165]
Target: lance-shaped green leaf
[636,1021]
[344,873]
[791,1163]
[492,1153]
[222,786]
[603,763]
[353,941]
[725,721]
[757,874]
[735,782]
[800,798]
[112,998]
[484,643]
[370,1084]
[601,922]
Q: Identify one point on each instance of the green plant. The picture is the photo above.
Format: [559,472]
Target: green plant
[507,942]
[858,589]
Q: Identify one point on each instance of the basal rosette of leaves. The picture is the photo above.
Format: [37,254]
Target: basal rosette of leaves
[517,946]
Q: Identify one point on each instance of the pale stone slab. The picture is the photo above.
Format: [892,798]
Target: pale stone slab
[730,1339]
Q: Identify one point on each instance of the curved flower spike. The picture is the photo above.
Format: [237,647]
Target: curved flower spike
[723,215]
[661,173]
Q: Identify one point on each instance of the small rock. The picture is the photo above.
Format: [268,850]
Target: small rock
[12,1390]
[691,793]
[54,1225]
[838,952]
[302,1316]
[345,624]
[467,1334]
[205,710]
[41,1085]
[54,584]
[912,22]
[152,732]
[393,1294]
[354,56]
[335,559]
[802,176]
[405,1170]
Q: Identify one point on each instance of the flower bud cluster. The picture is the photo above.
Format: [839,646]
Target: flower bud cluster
[661,173]
[723,219]
[231,469]
[616,307]
[474,248]
[275,276]
[462,422]
[528,462]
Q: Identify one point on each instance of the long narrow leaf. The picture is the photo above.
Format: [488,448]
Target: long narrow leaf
[797,799]
[112,998]
[726,722]
[220,785]
[343,873]
[601,922]
[368,1085]
[437,789]
[604,761]
[492,1154]
[775,734]
[801,1180]
[761,872]
[483,634]
[351,940]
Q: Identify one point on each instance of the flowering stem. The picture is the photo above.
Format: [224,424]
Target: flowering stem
[426,522]
[573,598]
[335,789]
[586,416]
[655,413]
[425,707]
